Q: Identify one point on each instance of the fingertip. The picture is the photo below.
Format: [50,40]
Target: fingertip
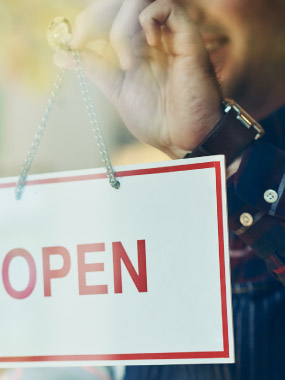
[125,62]
[149,39]
[77,42]
[63,59]
[153,39]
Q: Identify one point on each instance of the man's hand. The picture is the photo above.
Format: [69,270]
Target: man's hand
[161,80]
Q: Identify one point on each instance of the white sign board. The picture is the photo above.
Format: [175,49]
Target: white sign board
[97,276]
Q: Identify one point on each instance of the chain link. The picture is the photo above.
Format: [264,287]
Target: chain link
[42,126]
[93,120]
[38,136]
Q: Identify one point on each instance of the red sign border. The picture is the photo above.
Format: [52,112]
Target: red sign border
[149,356]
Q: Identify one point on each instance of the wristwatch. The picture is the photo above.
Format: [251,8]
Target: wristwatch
[232,134]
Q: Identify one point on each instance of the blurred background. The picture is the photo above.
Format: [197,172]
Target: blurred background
[27,74]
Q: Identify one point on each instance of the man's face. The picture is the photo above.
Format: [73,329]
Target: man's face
[246,42]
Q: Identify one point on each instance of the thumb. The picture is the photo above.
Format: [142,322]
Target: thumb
[94,22]
[107,76]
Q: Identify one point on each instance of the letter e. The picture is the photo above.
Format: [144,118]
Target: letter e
[83,268]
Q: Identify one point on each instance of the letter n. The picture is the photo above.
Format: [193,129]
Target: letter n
[140,278]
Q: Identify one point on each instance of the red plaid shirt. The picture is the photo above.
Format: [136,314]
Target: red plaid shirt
[258,251]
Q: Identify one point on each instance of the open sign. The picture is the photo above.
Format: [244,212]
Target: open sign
[118,252]
[93,275]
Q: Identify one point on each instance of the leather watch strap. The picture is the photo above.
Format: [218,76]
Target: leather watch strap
[230,137]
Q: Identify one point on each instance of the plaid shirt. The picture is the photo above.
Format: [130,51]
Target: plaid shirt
[262,168]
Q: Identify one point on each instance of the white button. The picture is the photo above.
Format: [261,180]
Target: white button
[246,219]
[270,196]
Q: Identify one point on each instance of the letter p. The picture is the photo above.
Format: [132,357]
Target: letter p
[55,273]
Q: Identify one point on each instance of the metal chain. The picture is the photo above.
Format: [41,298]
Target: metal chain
[38,136]
[93,121]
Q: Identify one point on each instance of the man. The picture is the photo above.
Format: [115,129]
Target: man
[167,66]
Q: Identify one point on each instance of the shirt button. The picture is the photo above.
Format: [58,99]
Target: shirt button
[246,219]
[270,196]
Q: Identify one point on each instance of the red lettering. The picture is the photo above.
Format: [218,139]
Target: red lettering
[5,273]
[83,268]
[56,273]
[140,278]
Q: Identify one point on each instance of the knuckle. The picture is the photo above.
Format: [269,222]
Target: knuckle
[114,35]
[143,18]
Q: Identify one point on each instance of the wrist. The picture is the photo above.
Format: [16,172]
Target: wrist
[197,137]
[231,136]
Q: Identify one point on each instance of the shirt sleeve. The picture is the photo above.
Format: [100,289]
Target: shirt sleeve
[256,204]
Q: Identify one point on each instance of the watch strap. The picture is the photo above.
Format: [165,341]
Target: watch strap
[229,137]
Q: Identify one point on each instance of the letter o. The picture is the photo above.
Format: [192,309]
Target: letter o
[5,273]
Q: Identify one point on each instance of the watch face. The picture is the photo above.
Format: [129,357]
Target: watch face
[244,118]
